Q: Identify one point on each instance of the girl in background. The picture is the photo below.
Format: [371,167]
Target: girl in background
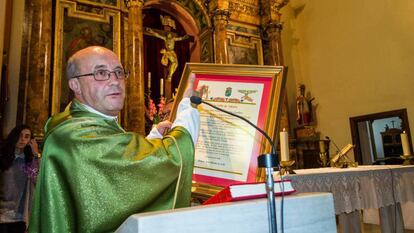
[18,171]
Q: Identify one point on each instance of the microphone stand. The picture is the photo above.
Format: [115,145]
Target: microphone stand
[267,161]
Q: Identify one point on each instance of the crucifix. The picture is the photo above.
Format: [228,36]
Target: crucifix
[169,59]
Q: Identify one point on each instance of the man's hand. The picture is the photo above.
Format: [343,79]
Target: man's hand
[164,126]
[200,91]
[190,86]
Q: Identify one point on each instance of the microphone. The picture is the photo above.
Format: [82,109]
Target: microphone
[196,100]
[267,161]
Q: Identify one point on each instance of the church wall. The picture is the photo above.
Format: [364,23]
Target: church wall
[14,65]
[355,57]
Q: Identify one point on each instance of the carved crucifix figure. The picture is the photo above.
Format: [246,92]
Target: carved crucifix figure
[169,56]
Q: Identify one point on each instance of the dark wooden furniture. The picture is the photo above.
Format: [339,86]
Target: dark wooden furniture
[391,142]
[354,121]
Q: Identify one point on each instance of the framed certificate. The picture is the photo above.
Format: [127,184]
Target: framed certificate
[228,147]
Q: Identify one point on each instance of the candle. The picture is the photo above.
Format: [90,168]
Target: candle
[149,80]
[405,144]
[162,87]
[284,145]
[322,146]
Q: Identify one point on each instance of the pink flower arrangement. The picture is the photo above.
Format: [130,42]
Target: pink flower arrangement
[154,114]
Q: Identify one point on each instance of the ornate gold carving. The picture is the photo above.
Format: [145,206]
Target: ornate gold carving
[273,48]
[221,18]
[89,9]
[252,10]
[198,9]
[109,4]
[243,29]
[246,11]
[206,47]
[218,4]
[134,3]
[277,5]
[248,2]
[273,27]
[220,14]
[271,10]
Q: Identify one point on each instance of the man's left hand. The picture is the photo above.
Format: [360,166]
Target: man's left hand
[164,126]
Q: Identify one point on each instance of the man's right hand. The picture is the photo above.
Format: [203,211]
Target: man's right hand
[190,86]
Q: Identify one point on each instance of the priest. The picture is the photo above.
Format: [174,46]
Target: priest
[93,173]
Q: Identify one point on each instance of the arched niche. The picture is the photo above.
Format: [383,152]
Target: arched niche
[190,19]
[195,20]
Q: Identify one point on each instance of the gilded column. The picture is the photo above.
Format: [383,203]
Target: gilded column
[275,53]
[134,119]
[273,27]
[220,14]
[36,77]
[271,23]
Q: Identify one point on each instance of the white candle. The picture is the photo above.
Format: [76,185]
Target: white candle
[405,144]
[149,80]
[284,145]
[162,87]
[322,146]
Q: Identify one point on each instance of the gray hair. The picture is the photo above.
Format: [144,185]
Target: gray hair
[71,68]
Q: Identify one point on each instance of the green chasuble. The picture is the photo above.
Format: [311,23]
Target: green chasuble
[94,175]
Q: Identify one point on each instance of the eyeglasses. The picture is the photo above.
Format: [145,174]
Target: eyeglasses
[103,75]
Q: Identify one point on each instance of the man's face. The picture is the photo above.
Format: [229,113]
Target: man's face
[104,96]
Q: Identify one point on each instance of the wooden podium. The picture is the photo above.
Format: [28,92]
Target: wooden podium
[306,212]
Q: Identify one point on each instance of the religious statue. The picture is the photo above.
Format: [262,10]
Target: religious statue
[169,55]
[304,108]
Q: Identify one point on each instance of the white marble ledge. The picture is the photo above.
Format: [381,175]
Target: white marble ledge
[305,212]
[361,168]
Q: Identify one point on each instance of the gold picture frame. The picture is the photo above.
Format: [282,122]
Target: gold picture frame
[267,103]
[107,20]
[116,4]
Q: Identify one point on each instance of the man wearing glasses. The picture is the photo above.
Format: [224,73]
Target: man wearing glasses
[93,174]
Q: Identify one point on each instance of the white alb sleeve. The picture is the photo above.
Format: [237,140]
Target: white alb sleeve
[154,133]
[189,118]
